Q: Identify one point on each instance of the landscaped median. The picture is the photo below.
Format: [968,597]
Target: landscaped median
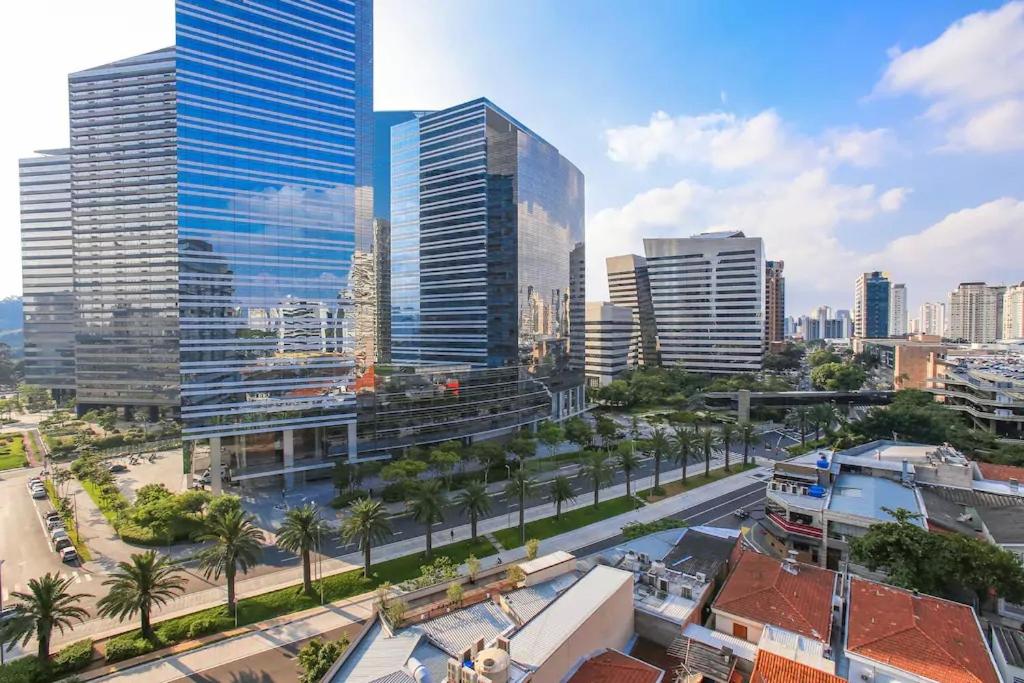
[12,451]
[67,514]
[674,488]
[573,519]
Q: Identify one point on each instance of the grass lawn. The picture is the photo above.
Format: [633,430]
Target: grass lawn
[408,567]
[676,487]
[574,519]
[12,452]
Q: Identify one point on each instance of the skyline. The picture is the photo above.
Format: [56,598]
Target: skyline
[843,161]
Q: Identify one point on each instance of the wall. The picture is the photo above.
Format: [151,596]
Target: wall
[653,628]
[913,361]
[865,670]
[724,624]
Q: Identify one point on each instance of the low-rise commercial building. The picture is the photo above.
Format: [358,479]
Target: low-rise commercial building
[988,389]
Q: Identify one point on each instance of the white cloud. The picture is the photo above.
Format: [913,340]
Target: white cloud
[859,147]
[892,200]
[972,75]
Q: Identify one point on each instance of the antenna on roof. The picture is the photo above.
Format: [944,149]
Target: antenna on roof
[790,565]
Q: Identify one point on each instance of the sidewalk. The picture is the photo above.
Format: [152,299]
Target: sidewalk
[338,615]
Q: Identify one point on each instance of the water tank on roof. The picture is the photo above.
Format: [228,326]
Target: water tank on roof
[816,491]
[822,462]
[493,663]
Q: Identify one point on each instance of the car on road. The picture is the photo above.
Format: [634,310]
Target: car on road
[52,514]
[54,523]
[740,513]
[117,467]
[69,555]
[38,492]
[58,533]
[62,543]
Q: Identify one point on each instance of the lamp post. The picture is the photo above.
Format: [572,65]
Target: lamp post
[2,648]
[508,505]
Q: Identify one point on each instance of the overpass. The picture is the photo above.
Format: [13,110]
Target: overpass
[742,400]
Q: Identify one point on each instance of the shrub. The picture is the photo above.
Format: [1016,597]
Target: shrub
[317,657]
[342,500]
[24,670]
[532,547]
[393,492]
[127,646]
[72,658]
[633,530]
[204,625]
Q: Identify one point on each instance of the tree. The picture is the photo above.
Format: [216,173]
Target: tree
[367,523]
[628,461]
[797,417]
[905,551]
[300,533]
[515,574]
[561,492]
[427,508]
[982,567]
[748,437]
[522,447]
[444,461]
[139,585]
[520,486]
[46,605]
[725,440]
[607,430]
[596,469]
[474,501]
[454,593]
[659,446]
[578,432]
[317,657]
[838,377]
[822,416]
[684,442]
[488,453]
[404,470]
[821,356]
[550,434]
[236,546]
[707,443]
[472,567]
[532,548]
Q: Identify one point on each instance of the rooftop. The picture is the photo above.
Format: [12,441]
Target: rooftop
[995,472]
[771,668]
[1011,644]
[926,636]
[797,598]
[614,667]
[968,511]
[699,552]
[864,496]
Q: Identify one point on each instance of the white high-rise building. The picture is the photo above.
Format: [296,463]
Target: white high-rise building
[915,326]
[1013,312]
[976,312]
[933,318]
[609,335]
[846,322]
[708,294]
[898,310]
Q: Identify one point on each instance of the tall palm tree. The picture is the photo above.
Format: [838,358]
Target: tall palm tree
[561,492]
[475,502]
[236,546]
[628,461]
[427,508]
[367,523]
[684,443]
[748,437]
[46,604]
[707,442]
[725,439]
[598,471]
[300,533]
[659,446]
[798,418]
[520,486]
[147,581]
[822,416]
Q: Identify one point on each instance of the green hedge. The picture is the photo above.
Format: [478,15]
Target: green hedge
[68,661]
[127,646]
[72,658]
[342,500]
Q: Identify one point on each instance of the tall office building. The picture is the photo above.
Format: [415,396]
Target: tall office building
[487,249]
[382,287]
[609,331]
[898,310]
[871,305]
[933,318]
[124,211]
[774,302]
[708,294]
[47,271]
[845,323]
[976,312]
[629,286]
[1013,312]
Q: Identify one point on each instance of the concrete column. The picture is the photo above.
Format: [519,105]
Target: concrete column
[240,440]
[288,443]
[353,452]
[743,405]
[215,466]
[318,442]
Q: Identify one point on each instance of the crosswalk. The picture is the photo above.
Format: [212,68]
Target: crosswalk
[76,576]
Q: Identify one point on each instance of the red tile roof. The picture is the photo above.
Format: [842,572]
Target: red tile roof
[771,668]
[1001,472]
[615,667]
[761,590]
[927,636]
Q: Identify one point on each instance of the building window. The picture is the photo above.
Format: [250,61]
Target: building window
[739,630]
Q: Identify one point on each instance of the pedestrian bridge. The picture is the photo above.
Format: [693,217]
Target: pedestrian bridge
[793,399]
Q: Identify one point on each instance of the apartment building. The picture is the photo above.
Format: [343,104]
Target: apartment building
[976,313]
[1013,312]
[610,335]
[898,312]
[871,300]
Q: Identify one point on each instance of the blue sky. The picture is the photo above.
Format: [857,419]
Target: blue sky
[850,136]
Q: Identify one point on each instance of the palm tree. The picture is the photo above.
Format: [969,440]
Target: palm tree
[46,604]
[427,508]
[684,442]
[520,486]
[147,581]
[236,545]
[707,442]
[561,492]
[798,418]
[475,502]
[659,446]
[748,437]
[367,523]
[628,460]
[300,533]
[822,416]
[596,469]
[725,439]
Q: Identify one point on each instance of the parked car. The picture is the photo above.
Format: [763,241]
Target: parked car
[117,467]
[58,534]
[35,485]
[740,513]
[38,493]
[69,555]
[54,523]
[52,514]
[62,543]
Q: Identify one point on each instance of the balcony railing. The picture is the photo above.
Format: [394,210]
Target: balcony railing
[794,527]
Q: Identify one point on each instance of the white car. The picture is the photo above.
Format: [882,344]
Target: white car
[68,554]
[39,493]
[58,534]
[54,523]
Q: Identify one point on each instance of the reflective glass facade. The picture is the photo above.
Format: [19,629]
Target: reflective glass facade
[123,204]
[47,269]
[275,198]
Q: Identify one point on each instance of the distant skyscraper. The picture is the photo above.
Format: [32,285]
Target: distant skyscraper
[871,305]
[774,301]
[382,289]
[1013,312]
[846,323]
[708,293]
[609,336]
[898,310]
[976,312]
[47,270]
[629,285]
[915,326]
[933,318]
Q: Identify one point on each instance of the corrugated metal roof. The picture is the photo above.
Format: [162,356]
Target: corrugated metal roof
[458,630]
[656,545]
[376,656]
[402,676]
[528,602]
[546,632]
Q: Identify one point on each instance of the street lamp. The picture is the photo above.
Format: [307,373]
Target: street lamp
[508,505]
[2,648]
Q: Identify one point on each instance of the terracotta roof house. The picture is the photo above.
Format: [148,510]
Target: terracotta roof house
[611,666]
[764,591]
[896,635]
[771,668]
[996,472]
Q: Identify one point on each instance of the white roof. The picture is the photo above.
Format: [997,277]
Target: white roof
[546,632]
[741,648]
[546,561]
[377,656]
